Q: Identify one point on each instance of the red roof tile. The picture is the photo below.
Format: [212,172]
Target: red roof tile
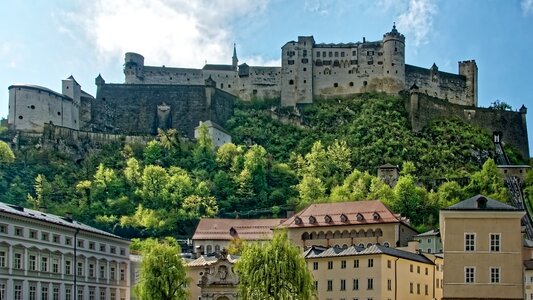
[245,229]
[342,213]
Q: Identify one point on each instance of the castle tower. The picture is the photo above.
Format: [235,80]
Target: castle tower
[133,67]
[234,59]
[394,60]
[72,89]
[468,68]
[297,71]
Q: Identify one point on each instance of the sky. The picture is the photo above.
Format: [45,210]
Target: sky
[43,42]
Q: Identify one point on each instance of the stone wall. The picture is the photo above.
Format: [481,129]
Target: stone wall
[138,109]
[423,109]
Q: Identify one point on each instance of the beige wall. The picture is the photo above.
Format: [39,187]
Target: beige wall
[385,268]
[454,225]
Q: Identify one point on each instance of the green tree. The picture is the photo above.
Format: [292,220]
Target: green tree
[311,190]
[6,155]
[163,273]
[500,105]
[450,193]
[410,199]
[43,191]
[489,182]
[204,151]
[274,270]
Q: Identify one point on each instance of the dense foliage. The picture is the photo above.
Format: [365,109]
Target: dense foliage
[274,270]
[163,273]
[164,187]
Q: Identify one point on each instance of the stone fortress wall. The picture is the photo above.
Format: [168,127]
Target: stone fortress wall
[31,106]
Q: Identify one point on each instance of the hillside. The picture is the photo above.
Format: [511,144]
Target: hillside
[163,188]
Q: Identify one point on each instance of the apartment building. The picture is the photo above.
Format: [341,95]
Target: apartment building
[47,257]
[482,244]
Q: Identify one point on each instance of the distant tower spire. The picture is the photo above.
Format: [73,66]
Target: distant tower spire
[234,59]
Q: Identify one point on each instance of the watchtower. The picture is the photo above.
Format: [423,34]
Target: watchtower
[394,57]
[133,67]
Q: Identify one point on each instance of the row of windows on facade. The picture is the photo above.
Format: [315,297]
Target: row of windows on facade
[494,273]
[56,239]
[494,242]
[370,264]
[55,292]
[53,265]
[292,53]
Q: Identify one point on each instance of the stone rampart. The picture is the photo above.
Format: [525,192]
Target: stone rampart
[423,109]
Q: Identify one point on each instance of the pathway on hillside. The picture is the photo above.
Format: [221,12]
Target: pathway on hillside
[515,189]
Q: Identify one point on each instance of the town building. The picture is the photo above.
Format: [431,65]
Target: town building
[44,256]
[482,246]
[376,272]
[389,174]
[429,241]
[345,224]
[527,256]
[213,277]
[217,133]
[213,234]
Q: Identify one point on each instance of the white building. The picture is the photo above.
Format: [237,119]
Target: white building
[47,257]
[218,135]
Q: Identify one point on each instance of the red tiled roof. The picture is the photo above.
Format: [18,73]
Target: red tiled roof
[342,213]
[245,229]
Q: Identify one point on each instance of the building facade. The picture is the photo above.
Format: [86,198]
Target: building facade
[429,241]
[213,277]
[218,135]
[212,235]
[482,261]
[376,272]
[344,224]
[47,257]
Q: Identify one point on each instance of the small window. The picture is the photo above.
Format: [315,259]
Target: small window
[365,83]
[330,265]
[343,284]
[370,263]
[55,239]
[68,241]
[3,228]
[330,285]
[470,242]
[351,83]
[315,265]
[343,264]
[20,118]
[92,245]
[59,113]
[494,275]
[335,85]
[495,242]
[470,274]
[291,82]
[33,234]
[356,284]
[113,250]
[356,263]
[81,243]
[19,231]
[32,106]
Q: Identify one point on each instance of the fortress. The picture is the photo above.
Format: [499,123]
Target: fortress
[165,97]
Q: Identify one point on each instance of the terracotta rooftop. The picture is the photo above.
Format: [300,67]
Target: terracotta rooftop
[244,229]
[342,213]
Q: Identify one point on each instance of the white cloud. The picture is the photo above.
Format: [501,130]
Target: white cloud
[321,7]
[417,20]
[171,32]
[527,6]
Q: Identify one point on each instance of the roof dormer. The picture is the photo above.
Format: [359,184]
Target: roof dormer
[344,218]
[376,216]
[360,217]
[312,220]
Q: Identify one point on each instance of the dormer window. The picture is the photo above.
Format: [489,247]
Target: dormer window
[376,216]
[344,218]
[232,231]
[312,220]
[360,217]
[327,219]
[297,221]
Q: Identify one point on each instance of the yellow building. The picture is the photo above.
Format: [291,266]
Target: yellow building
[482,245]
[343,224]
[376,272]
[212,277]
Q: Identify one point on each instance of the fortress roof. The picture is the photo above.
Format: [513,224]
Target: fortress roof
[38,88]
[218,67]
[427,72]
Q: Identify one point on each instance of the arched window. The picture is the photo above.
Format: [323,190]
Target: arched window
[386,244]
[217,248]
[291,82]
[208,249]
[368,245]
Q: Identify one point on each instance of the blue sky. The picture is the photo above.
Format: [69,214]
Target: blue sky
[43,42]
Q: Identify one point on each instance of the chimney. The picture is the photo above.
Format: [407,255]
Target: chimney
[290,213]
[68,217]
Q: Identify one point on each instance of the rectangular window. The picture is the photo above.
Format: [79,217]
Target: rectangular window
[494,275]
[411,268]
[44,293]
[33,263]
[495,239]
[55,293]
[68,293]
[18,291]
[113,250]
[330,265]
[3,228]
[470,273]
[92,245]
[418,288]
[91,270]
[318,54]
[112,273]
[102,247]
[80,243]
[389,284]
[315,265]
[33,292]
[343,285]
[356,284]
[426,290]
[411,287]
[44,236]
[370,284]
[68,267]
[80,269]
[2,291]
[55,239]
[17,262]
[123,251]
[470,242]
[122,274]
[343,264]
[370,263]
[330,285]
[91,294]
[356,263]
[68,241]
[55,265]
[102,293]
[19,231]
[316,285]
[418,269]
[2,259]
[427,271]
[44,264]
[389,264]
[80,293]
[33,234]
[102,272]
